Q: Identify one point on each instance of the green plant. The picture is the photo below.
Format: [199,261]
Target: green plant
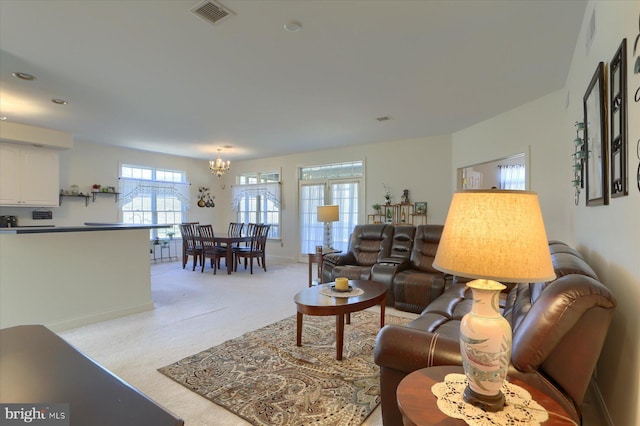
[376,207]
[387,193]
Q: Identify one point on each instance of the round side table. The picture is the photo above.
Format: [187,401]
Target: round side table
[419,406]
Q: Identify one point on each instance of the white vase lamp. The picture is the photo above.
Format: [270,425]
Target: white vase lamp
[485,344]
[491,236]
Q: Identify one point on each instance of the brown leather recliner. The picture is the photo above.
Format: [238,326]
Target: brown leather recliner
[416,284]
[558,332]
[368,244]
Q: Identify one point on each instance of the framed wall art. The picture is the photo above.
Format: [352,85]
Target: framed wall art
[595,136]
[618,119]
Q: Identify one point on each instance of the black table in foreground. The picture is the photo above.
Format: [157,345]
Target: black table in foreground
[37,366]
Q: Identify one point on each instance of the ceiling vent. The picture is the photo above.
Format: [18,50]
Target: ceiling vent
[211,11]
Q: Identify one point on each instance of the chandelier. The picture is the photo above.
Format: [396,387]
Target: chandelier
[219,167]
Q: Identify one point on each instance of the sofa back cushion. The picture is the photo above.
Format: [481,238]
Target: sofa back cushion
[425,246]
[402,242]
[369,243]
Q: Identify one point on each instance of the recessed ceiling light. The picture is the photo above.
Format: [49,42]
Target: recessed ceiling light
[59,101]
[293,26]
[23,76]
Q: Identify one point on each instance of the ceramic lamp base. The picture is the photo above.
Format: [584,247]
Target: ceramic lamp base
[490,403]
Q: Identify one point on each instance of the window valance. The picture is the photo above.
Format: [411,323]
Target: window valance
[269,190]
[131,188]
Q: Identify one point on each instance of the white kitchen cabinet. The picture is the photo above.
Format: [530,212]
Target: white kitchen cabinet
[29,176]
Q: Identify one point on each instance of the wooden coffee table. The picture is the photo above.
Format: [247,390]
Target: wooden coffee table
[311,302]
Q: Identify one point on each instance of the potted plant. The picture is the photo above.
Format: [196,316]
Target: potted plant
[387,194]
[376,208]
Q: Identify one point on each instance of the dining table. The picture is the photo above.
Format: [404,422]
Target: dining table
[229,240]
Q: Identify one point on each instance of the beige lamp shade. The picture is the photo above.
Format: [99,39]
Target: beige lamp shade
[328,214]
[496,235]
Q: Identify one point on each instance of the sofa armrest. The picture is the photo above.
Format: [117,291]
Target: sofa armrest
[408,349]
[340,259]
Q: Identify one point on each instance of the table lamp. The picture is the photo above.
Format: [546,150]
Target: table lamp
[491,236]
[328,214]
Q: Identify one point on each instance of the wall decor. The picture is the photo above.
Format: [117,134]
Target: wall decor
[595,137]
[618,120]
[420,207]
[578,161]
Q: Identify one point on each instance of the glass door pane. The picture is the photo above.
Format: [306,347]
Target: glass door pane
[345,195]
[312,195]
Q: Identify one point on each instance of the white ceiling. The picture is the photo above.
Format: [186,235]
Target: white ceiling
[149,74]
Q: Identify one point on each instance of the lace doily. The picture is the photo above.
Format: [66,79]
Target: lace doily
[519,409]
[327,291]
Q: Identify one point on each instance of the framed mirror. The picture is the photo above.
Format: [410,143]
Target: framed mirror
[504,173]
[595,136]
[618,120]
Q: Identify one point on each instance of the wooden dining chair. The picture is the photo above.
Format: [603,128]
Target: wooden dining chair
[210,250]
[190,247]
[255,250]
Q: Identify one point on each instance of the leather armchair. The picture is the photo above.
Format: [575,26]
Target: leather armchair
[399,256]
[368,244]
[416,284]
[558,327]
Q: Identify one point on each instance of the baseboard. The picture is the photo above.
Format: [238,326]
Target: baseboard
[68,324]
[601,404]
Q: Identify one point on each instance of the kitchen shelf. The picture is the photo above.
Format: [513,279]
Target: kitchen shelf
[86,198]
[94,193]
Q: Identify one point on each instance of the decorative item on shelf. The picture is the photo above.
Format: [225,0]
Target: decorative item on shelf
[420,207]
[389,215]
[328,214]
[96,187]
[491,235]
[405,197]
[75,190]
[376,208]
[387,194]
[219,167]
[578,161]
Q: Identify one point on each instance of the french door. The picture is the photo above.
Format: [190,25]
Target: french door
[345,194]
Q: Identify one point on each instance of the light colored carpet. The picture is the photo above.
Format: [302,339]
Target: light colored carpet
[266,379]
[194,312]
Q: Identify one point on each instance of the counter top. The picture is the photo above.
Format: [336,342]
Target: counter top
[89,226]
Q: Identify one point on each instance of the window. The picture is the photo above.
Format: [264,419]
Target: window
[153,196]
[329,184]
[512,176]
[256,199]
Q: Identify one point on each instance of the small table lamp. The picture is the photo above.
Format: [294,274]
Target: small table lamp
[328,214]
[491,235]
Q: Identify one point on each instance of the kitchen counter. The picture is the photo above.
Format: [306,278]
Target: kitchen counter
[69,276]
[88,226]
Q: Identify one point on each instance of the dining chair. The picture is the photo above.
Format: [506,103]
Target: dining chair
[255,250]
[188,231]
[206,239]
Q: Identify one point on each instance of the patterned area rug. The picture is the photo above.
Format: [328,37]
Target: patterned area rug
[266,379]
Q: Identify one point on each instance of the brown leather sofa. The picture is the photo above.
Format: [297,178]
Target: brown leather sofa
[399,256]
[559,328]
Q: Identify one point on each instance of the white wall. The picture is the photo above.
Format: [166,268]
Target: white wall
[607,236]
[421,165]
[536,128]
